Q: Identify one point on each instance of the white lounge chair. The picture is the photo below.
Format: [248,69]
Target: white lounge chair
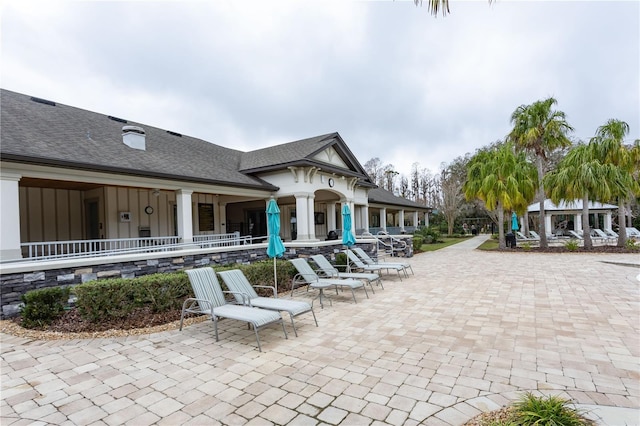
[610,233]
[329,271]
[369,261]
[210,301]
[575,235]
[237,282]
[306,275]
[632,232]
[600,234]
[357,264]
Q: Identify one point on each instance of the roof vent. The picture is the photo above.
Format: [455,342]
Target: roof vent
[134,137]
[43,101]
[119,120]
[174,133]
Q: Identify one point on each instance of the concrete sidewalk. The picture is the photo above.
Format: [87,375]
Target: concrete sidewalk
[470,332]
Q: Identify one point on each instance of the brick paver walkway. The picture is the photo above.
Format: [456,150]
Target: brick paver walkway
[469,332]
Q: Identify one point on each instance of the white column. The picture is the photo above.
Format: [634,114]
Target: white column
[547,223]
[10,217]
[596,221]
[401,220]
[184,210]
[302,216]
[331,217]
[352,208]
[577,223]
[310,216]
[426,219]
[415,219]
[365,217]
[383,219]
[607,220]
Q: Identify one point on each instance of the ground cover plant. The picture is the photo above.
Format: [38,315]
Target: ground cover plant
[532,410]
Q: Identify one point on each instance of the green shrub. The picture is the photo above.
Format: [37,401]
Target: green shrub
[261,273]
[431,235]
[547,411]
[572,245]
[117,298]
[43,306]
[526,246]
[632,245]
[417,243]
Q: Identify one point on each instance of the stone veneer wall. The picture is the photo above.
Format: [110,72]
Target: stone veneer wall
[14,285]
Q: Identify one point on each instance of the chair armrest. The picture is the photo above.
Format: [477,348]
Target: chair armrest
[199,301]
[267,286]
[245,297]
[306,277]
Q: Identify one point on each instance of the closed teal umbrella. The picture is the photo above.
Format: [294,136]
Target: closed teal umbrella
[347,236]
[275,247]
[514,222]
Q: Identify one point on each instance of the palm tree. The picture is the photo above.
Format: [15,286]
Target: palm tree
[502,179]
[610,149]
[540,130]
[436,6]
[580,175]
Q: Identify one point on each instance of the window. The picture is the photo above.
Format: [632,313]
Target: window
[205,217]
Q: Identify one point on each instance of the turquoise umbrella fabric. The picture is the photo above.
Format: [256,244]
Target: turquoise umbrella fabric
[514,222]
[347,236]
[275,247]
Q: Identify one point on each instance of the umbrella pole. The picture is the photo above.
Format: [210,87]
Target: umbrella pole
[275,277]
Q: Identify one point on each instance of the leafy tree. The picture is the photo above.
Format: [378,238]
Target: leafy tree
[503,180]
[451,187]
[540,130]
[580,175]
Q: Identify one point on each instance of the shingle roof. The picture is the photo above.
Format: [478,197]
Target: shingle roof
[301,153]
[382,196]
[62,135]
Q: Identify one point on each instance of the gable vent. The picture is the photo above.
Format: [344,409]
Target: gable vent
[43,101]
[134,137]
[119,120]
[174,133]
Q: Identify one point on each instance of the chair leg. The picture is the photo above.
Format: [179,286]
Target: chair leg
[353,293]
[371,285]
[293,325]
[284,329]
[257,338]
[215,326]
[364,287]
[380,282]
[314,317]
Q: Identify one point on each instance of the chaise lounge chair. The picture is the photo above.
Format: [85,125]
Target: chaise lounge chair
[306,275]
[236,281]
[369,261]
[328,270]
[210,301]
[357,264]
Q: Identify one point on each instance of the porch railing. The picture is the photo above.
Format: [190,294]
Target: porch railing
[110,247]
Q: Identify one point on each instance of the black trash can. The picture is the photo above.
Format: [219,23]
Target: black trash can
[511,240]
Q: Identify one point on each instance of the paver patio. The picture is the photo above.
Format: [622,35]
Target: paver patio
[468,333]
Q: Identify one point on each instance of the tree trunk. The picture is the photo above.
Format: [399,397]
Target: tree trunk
[586,229]
[542,195]
[622,221]
[501,242]
[525,223]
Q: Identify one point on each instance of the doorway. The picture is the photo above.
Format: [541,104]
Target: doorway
[92,219]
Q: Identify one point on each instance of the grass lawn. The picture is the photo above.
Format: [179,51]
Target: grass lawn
[490,244]
[446,241]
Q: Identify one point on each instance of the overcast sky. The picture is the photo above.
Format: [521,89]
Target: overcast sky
[395,82]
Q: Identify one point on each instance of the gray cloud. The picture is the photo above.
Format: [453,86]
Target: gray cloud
[395,82]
